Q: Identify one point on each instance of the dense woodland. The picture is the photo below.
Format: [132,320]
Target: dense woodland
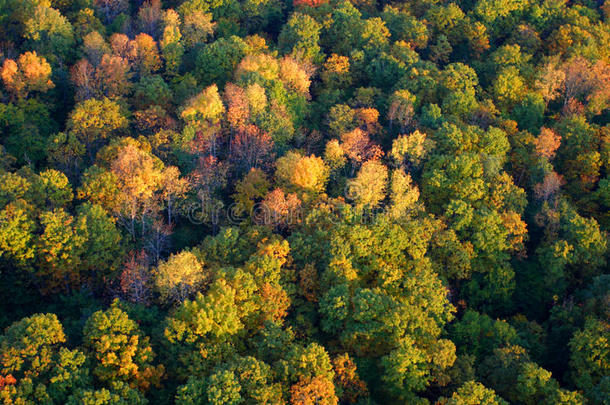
[310,202]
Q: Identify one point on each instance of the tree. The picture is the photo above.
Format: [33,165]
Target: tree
[123,47]
[26,125]
[300,37]
[509,87]
[579,158]
[99,186]
[119,350]
[550,81]
[303,173]
[148,60]
[94,47]
[29,74]
[478,334]
[587,82]
[85,21]
[112,77]
[474,393]
[27,346]
[240,379]
[347,380]
[49,33]
[207,179]
[406,369]
[401,109]
[135,278]
[308,3]
[369,186]
[178,277]
[238,109]
[405,27]
[294,75]
[206,107]
[257,66]
[205,326]
[549,187]
[149,17]
[16,233]
[119,393]
[336,74]
[152,91]
[403,193]
[529,114]
[279,209]
[93,121]
[310,391]
[170,43]
[441,50]
[173,188]
[547,143]
[66,152]
[223,389]
[52,189]
[458,83]
[198,26]
[360,311]
[139,180]
[36,365]
[103,247]
[359,148]
[217,61]
[82,75]
[59,250]
[409,150]
[252,187]
[344,32]
[251,148]
[590,355]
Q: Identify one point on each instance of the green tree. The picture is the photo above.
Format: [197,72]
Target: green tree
[16,233]
[104,246]
[44,371]
[300,37]
[59,250]
[216,61]
[206,327]
[590,356]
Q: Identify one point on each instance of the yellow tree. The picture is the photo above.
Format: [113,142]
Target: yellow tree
[206,106]
[93,121]
[139,177]
[307,174]
[369,186]
[178,277]
[403,193]
[294,75]
[203,113]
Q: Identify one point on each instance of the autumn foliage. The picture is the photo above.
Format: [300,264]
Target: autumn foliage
[226,202]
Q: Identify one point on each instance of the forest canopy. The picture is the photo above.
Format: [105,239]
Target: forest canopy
[308,202]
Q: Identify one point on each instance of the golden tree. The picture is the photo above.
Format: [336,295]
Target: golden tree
[29,73]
